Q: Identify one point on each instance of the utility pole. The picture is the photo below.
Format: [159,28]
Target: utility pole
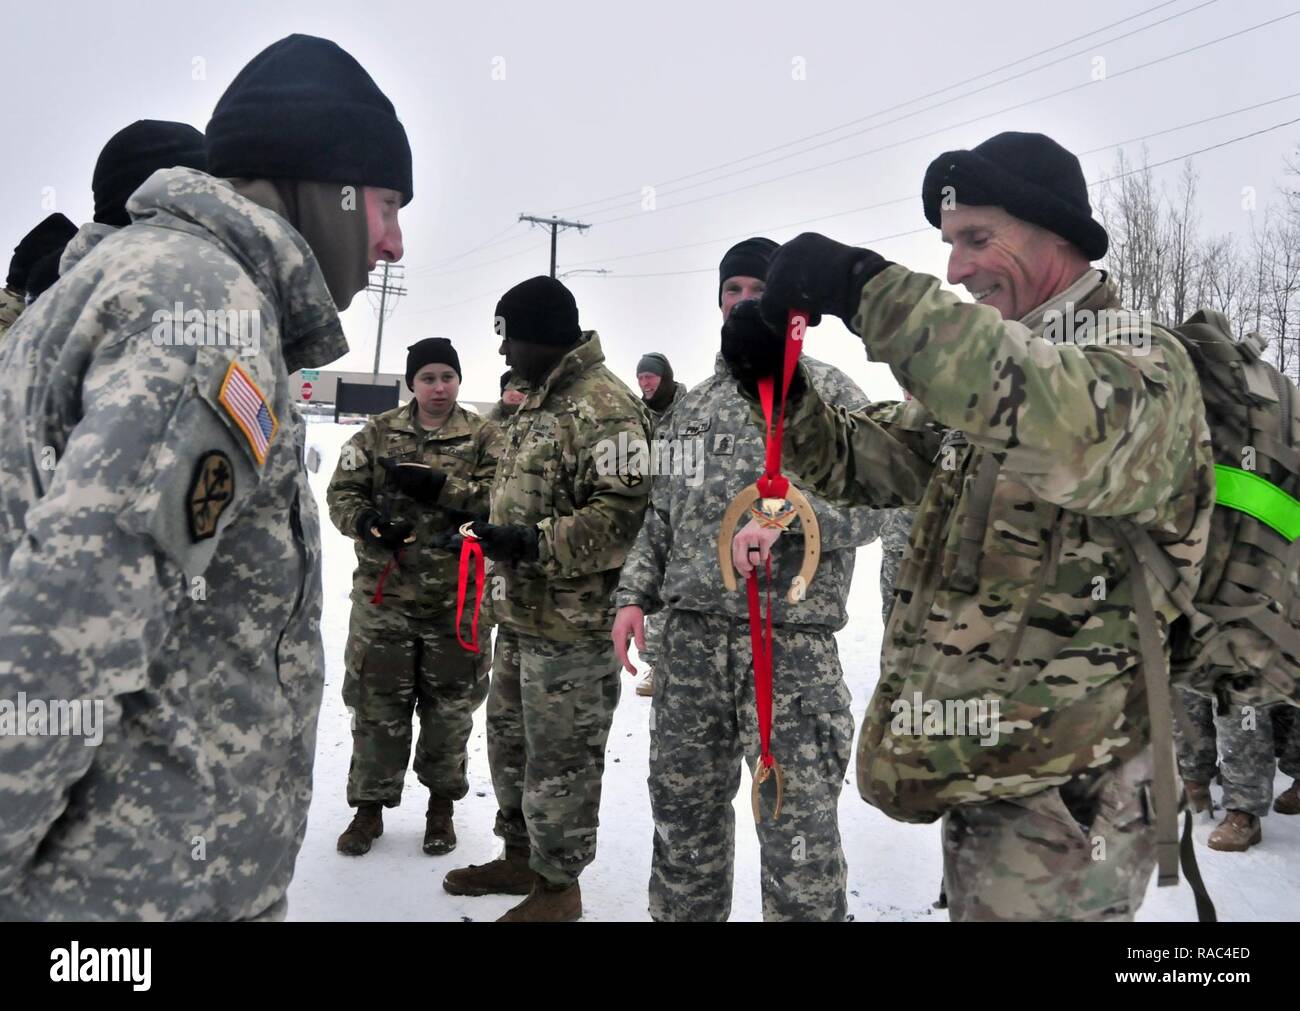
[388,286]
[556,224]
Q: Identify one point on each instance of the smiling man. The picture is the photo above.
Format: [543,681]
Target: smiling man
[1017,588]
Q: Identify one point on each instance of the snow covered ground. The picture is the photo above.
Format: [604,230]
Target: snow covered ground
[894,869]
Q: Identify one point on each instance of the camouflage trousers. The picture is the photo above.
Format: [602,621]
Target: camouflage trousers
[396,666]
[703,722]
[1084,851]
[548,718]
[1246,743]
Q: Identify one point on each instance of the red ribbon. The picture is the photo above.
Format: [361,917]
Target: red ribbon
[771,485]
[469,548]
[378,598]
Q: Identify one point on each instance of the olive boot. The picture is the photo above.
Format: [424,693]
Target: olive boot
[1237,832]
[548,903]
[367,826]
[507,875]
[439,832]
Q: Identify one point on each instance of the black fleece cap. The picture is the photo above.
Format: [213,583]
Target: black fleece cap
[305,109]
[430,351]
[135,153]
[51,234]
[539,311]
[1030,176]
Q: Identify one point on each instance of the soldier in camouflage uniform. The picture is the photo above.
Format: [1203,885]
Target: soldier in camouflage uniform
[1026,612]
[703,717]
[50,235]
[402,654]
[1244,745]
[659,391]
[159,544]
[565,509]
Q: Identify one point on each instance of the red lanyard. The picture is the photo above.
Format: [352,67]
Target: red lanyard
[771,485]
[470,548]
[378,598]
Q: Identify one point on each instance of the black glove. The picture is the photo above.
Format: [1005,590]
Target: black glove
[753,350]
[819,275]
[420,481]
[507,542]
[392,534]
[449,539]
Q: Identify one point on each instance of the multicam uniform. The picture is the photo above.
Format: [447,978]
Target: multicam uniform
[402,653]
[555,680]
[1042,622]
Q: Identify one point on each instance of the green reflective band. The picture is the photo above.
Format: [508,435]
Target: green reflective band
[1251,494]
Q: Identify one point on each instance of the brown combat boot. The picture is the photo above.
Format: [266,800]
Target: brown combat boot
[508,875]
[1237,832]
[439,832]
[548,903]
[1288,802]
[1198,795]
[367,826]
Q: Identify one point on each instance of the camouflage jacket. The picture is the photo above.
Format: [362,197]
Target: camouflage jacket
[674,562]
[559,471]
[501,413]
[465,448]
[1047,631]
[160,558]
[11,307]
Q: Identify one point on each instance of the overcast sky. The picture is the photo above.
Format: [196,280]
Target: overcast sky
[574,108]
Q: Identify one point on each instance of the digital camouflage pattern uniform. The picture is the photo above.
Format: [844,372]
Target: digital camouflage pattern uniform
[703,716]
[555,680]
[160,553]
[1244,744]
[402,655]
[654,626]
[1045,625]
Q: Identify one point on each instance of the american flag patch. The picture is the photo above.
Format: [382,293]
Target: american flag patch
[245,403]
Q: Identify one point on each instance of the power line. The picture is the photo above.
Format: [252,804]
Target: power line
[913,197]
[900,105]
[953,126]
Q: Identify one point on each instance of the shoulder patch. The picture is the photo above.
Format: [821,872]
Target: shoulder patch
[247,406]
[212,488]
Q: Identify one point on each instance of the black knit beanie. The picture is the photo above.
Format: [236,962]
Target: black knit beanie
[746,259]
[303,108]
[1030,176]
[505,379]
[135,153]
[51,234]
[539,311]
[430,351]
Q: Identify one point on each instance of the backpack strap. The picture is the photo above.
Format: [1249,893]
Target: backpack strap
[1161,706]
[965,573]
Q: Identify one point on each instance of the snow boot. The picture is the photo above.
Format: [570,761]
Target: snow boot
[1237,832]
[1198,795]
[647,686]
[548,903]
[367,826]
[1289,801]
[508,875]
[439,832]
